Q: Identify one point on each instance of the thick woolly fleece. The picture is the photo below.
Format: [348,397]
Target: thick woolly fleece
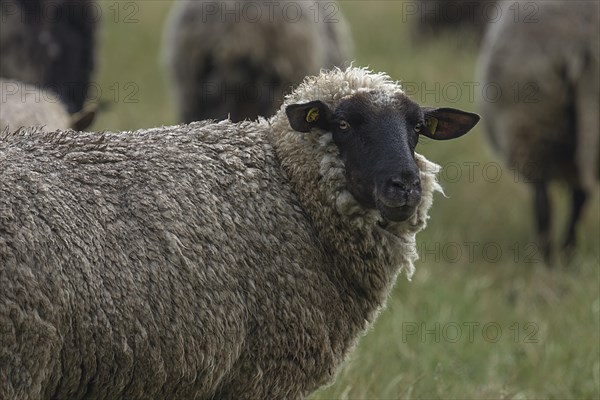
[239,57]
[201,261]
[23,105]
[545,121]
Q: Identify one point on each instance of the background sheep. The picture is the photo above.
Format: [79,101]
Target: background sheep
[238,58]
[211,260]
[51,44]
[23,105]
[432,18]
[543,117]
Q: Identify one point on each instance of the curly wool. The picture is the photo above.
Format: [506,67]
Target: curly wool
[24,105]
[201,261]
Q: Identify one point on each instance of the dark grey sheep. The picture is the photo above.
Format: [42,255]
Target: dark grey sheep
[432,18]
[541,78]
[51,44]
[238,58]
[211,260]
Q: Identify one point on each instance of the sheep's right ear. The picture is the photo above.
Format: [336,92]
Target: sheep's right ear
[304,117]
[447,123]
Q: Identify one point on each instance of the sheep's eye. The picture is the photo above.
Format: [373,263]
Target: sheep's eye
[344,126]
[419,127]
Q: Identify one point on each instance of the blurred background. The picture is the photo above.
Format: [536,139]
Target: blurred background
[484,316]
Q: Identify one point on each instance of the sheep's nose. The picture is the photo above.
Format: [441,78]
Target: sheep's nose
[401,190]
[402,184]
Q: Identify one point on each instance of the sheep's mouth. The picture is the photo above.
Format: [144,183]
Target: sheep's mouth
[393,208]
[398,207]
[396,214]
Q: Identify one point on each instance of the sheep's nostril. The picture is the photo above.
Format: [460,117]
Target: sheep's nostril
[416,184]
[397,183]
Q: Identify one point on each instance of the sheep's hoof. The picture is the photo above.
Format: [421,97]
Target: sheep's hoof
[568,253]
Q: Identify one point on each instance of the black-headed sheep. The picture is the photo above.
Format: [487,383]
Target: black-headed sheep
[51,44]
[542,103]
[211,260]
[238,58]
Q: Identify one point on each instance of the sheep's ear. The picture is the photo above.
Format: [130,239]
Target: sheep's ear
[447,123]
[83,119]
[304,117]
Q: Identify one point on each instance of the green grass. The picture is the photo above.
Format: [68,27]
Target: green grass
[549,318]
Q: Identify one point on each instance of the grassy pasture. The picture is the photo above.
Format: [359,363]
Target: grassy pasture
[483,317]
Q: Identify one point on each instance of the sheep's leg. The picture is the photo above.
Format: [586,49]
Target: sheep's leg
[578,198]
[543,218]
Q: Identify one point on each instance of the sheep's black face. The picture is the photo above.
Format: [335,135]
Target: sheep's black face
[376,133]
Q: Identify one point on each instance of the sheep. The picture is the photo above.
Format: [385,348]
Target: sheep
[236,59]
[431,18]
[541,113]
[214,260]
[51,44]
[23,105]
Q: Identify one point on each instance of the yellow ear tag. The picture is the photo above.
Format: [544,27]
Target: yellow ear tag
[312,115]
[432,123]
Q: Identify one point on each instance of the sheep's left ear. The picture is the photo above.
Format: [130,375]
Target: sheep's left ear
[447,123]
[304,117]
